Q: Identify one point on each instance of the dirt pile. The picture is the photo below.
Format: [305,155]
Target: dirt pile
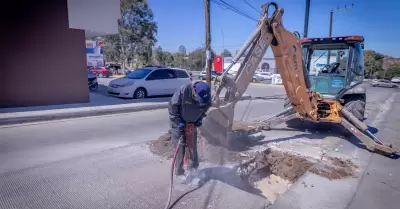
[291,167]
[335,169]
[162,146]
[256,166]
[263,164]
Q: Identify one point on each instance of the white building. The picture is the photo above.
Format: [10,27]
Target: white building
[267,64]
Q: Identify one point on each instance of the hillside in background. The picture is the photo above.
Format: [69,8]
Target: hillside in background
[390,62]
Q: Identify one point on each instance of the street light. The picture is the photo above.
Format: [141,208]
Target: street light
[223,40]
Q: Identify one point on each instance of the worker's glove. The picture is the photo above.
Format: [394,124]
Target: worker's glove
[199,122]
[181,128]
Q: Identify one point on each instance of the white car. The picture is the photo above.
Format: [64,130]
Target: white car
[276,79]
[149,81]
[395,80]
[264,75]
[203,75]
[254,79]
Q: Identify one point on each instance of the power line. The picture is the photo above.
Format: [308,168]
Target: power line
[251,6]
[223,3]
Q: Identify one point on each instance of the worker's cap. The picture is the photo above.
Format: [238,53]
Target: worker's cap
[203,92]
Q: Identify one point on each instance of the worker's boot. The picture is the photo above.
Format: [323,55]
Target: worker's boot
[181,178]
[195,177]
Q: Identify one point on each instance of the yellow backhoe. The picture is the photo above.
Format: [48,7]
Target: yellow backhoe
[305,104]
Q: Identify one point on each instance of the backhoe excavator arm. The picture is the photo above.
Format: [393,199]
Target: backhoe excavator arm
[286,48]
[287,51]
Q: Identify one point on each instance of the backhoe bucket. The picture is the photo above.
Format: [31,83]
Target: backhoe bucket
[217,126]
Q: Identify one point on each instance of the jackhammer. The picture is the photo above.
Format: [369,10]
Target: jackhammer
[187,141]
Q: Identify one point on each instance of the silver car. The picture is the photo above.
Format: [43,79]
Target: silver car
[383,83]
[395,80]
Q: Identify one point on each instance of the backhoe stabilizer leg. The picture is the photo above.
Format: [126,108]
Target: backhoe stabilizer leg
[278,118]
[370,143]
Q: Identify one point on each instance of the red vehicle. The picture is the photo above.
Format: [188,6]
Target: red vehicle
[101,71]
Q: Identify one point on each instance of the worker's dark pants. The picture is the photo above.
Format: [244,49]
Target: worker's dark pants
[191,158]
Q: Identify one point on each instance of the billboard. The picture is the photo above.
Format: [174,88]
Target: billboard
[94,53]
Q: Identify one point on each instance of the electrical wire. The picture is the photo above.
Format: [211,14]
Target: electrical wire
[251,6]
[223,3]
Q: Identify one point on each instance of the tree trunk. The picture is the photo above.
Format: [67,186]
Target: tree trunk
[123,54]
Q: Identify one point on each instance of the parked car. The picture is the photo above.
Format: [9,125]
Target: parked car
[256,78]
[113,67]
[92,81]
[395,80]
[276,79]
[203,75]
[149,81]
[383,83]
[264,75]
[190,73]
[101,72]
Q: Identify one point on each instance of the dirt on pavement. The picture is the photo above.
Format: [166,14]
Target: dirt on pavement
[235,152]
[336,169]
[259,165]
[287,166]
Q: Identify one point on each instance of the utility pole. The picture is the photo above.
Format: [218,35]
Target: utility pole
[330,24]
[306,18]
[208,41]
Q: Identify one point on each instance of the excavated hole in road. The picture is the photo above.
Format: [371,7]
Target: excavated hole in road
[268,173]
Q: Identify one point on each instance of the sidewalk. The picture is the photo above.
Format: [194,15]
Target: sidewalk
[99,105]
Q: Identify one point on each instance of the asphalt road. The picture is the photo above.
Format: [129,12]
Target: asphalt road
[101,162]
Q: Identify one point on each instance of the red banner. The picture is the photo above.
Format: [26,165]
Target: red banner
[218,64]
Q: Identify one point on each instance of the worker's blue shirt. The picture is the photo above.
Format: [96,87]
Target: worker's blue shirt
[184,108]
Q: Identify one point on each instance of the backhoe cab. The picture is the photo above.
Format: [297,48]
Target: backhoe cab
[335,67]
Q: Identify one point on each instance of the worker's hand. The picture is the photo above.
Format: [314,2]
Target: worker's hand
[198,123]
[181,127]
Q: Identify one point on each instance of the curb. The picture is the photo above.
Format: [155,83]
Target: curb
[60,114]
[118,76]
[49,115]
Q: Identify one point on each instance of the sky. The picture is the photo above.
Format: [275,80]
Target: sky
[182,22]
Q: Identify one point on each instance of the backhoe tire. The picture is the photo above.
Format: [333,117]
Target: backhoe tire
[295,123]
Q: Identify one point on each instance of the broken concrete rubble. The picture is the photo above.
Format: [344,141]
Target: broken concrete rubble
[270,168]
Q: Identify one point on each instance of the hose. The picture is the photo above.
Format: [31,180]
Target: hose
[188,131]
[171,181]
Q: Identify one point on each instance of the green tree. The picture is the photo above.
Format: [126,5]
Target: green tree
[372,62]
[226,53]
[393,72]
[197,58]
[136,36]
[169,59]
[159,56]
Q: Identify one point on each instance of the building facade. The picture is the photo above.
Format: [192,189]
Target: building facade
[267,64]
[43,49]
